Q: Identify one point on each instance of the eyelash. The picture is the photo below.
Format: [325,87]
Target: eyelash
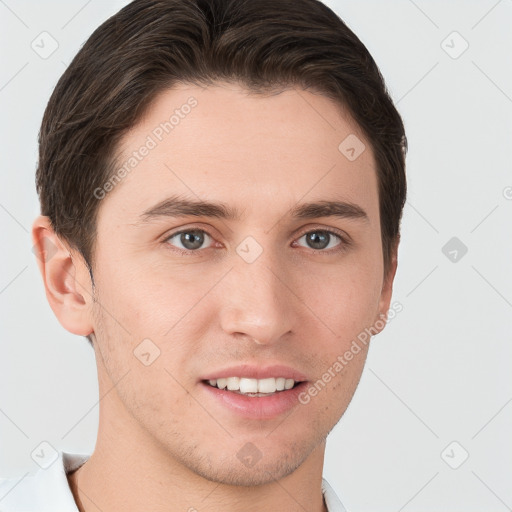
[341,247]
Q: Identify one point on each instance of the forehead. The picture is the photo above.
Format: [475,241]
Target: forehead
[246,150]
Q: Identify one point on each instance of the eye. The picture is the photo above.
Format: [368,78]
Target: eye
[322,239]
[190,239]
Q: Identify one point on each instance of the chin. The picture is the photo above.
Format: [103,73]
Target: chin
[240,476]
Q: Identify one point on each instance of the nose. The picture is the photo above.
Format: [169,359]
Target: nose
[256,301]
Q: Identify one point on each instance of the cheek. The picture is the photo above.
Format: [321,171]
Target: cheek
[146,315]
[344,298]
[346,304]
[142,301]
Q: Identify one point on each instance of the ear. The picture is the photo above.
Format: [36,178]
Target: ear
[387,290]
[66,278]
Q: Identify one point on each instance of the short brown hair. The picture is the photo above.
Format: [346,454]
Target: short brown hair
[150,45]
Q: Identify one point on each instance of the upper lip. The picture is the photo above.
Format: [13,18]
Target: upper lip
[257,372]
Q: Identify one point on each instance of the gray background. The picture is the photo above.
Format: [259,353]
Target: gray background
[440,371]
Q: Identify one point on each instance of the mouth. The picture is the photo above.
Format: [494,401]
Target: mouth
[253,387]
[254,392]
[250,403]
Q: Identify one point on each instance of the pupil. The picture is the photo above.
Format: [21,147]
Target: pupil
[318,241]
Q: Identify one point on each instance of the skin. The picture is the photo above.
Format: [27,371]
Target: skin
[162,443]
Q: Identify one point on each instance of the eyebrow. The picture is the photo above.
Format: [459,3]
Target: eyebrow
[177,206]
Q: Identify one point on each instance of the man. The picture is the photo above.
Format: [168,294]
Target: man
[221,187]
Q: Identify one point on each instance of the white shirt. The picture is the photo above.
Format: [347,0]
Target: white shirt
[47,490]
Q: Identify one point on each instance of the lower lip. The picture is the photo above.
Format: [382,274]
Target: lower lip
[254,407]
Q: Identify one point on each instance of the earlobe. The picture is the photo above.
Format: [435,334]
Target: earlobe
[65,278]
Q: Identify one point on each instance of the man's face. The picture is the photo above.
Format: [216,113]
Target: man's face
[257,290]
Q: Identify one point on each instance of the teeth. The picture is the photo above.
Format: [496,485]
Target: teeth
[248,385]
[245,386]
[233,383]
